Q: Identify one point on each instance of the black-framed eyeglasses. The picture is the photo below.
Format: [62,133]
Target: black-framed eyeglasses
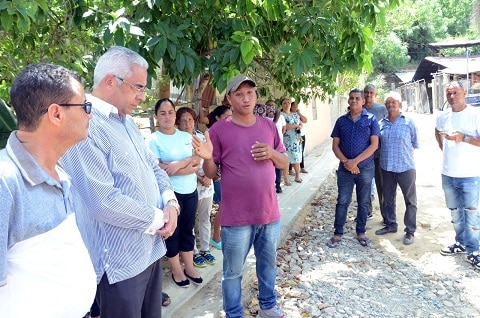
[87,106]
[139,88]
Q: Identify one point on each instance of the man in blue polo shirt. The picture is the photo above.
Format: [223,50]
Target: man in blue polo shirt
[355,139]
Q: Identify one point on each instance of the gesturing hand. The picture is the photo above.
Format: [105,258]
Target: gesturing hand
[201,148]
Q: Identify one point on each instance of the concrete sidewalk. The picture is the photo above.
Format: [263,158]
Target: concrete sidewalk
[206,300]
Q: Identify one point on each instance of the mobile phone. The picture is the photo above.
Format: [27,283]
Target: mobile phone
[443,133]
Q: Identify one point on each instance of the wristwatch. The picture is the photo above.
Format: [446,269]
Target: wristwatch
[175,204]
[466,138]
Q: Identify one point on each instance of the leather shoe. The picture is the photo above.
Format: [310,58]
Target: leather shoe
[385,230]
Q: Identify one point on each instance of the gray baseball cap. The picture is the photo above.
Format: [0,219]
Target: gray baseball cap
[236,81]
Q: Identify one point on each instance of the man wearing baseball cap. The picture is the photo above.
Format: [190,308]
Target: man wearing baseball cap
[250,213]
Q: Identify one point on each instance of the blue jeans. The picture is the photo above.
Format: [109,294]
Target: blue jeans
[345,182]
[461,196]
[217,194]
[406,181]
[278,177]
[236,243]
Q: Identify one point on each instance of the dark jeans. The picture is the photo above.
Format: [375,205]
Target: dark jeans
[136,297]
[406,181]
[379,186]
[217,195]
[345,182]
[278,177]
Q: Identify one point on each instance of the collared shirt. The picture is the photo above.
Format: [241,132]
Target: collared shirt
[32,201]
[42,253]
[355,135]
[123,188]
[399,139]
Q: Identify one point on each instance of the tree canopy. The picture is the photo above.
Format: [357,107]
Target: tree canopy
[299,46]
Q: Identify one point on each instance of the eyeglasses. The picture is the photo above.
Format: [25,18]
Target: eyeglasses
[87,106]
[139,88]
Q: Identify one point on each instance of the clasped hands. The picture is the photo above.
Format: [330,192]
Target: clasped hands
[351,166]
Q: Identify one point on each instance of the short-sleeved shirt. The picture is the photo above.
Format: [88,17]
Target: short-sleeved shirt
[248,193]
[399,139]
[281,122]
[174,147]
[460,159]
[355,135]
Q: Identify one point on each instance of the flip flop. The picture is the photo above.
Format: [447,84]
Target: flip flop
[364,241]
[298,180]
[333,242]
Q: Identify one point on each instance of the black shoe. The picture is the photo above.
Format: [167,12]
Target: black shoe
[454,249]
[279,190]
[385,230]
[196,281]
[184,283]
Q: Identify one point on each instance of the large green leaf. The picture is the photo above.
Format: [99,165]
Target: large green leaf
[8,123]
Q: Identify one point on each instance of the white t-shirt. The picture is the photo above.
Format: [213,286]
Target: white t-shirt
[460,159]
[281,122]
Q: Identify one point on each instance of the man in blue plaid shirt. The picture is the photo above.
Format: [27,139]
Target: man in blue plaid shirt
[399,139]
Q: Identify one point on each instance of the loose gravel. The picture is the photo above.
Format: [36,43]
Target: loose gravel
[375,281]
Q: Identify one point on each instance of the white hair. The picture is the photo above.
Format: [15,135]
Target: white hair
[118,60]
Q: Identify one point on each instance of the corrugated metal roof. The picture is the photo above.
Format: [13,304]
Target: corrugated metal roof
[405,77]
[446,45]
[458,65]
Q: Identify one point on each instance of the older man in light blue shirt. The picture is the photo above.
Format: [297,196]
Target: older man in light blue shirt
[399,138]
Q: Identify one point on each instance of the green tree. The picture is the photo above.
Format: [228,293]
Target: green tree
[390,53]
[300,46]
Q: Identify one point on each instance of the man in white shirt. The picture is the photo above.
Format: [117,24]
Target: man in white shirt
[457,132]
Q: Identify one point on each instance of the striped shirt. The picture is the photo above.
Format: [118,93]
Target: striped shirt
[123,189]
[399,139]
